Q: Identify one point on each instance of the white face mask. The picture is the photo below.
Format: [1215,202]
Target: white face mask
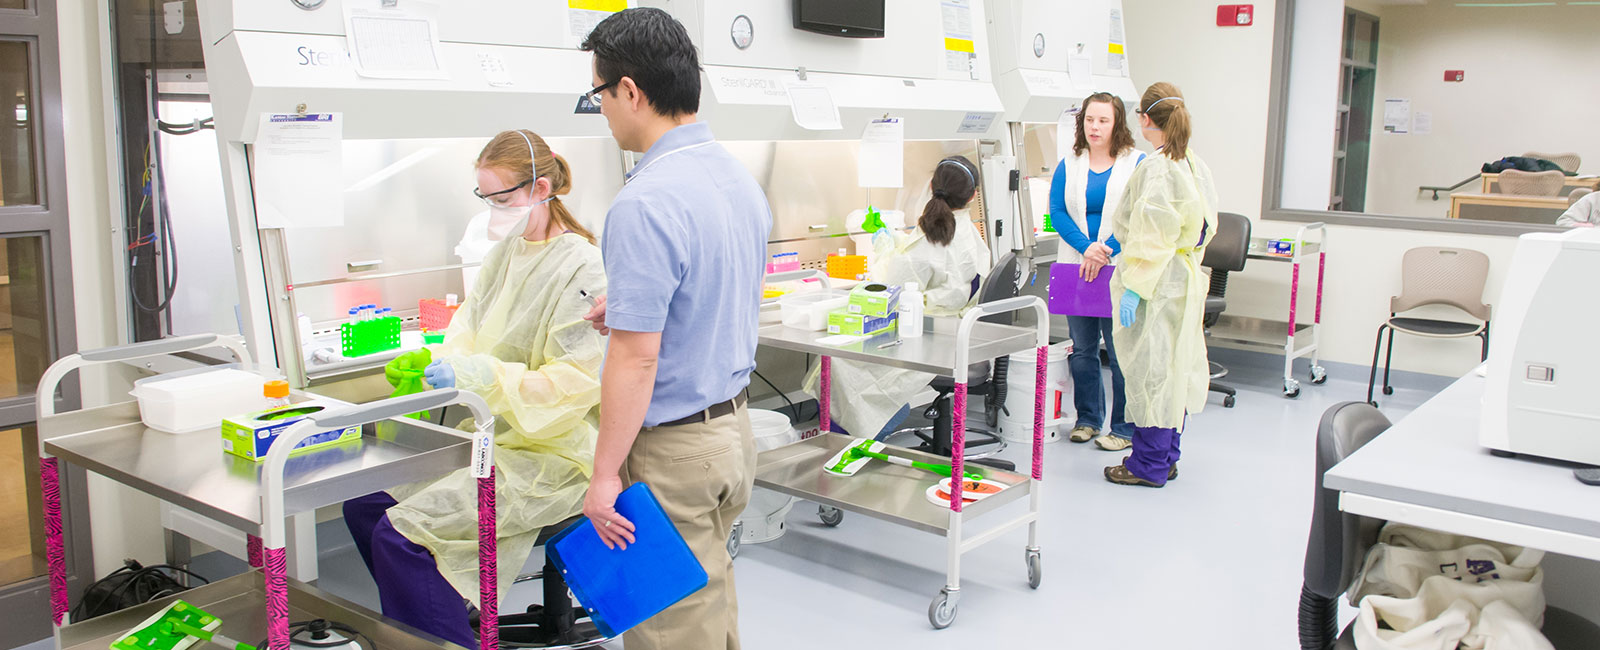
[504,221]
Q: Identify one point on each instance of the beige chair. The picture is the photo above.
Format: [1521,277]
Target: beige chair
[1572,199]
[1567,161]
[1546,183]
[1433,275]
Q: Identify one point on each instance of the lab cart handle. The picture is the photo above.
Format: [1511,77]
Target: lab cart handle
[804,274]
[45,403]
[970,320]
[273,534]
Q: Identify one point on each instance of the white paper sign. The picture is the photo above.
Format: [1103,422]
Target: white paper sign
[583,15]
[298,171]
[883,154]
[1080,67]
[813,107]
[960,46]
[393,43]
[1397,116]
[1422,123]
[494,70]
[1116,54]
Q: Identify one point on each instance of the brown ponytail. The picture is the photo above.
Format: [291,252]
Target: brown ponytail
[955,182]
[1163,104]
[508,153]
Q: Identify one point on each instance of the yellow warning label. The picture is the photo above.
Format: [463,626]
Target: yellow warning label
[612,6]
[1114,48]
[960,45]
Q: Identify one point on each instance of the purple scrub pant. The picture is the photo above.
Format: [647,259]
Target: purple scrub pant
[410,586]
[1154,452]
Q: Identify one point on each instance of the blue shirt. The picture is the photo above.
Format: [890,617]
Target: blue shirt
[1094,205]
[685,251]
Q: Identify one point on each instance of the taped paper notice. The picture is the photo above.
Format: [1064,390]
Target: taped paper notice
[883,155]
[1080,68]
[393,43]
[298,171]
[583,15]
[1397,116]
[813,107]
[960,46]
[1422,123]
[1116,52]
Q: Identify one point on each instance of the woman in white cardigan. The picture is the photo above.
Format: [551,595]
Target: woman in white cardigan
[1089,183]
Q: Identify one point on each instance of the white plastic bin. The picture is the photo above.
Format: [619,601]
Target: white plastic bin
[809,311]
[1016,421]
[188,402]
[763,518]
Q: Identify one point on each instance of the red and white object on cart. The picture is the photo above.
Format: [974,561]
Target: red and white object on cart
[1016,420]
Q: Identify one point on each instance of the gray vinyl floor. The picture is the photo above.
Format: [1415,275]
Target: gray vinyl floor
[1213,560]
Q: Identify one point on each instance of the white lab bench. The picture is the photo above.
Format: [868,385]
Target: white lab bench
[1429,470]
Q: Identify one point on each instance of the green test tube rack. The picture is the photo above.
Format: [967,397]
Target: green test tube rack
[366,337]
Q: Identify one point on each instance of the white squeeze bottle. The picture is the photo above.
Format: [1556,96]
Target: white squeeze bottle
[911,311]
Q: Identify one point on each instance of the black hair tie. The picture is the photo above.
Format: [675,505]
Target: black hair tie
[940,194]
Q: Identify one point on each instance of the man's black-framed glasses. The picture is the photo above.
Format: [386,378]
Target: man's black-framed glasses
[593,96]
[489,198]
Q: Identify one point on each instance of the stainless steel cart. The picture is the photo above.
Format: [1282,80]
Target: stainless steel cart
[896,494]
[1295,337]
[192,471]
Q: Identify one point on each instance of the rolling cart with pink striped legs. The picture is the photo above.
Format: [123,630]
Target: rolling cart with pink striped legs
[896,494]
[194,473]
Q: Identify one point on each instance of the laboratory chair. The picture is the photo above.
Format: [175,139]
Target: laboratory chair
[1225,253]
[1003,282]
[1566,161]
[1433,275]
[1546,183]
[1338,544]
[563,625]
[1578,193]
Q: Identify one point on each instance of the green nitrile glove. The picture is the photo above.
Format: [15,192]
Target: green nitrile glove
[874,221]
[405,374]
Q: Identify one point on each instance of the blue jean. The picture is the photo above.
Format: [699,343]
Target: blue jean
[410,587]
[1088,392]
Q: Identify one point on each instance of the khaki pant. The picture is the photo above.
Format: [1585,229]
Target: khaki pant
[702,475]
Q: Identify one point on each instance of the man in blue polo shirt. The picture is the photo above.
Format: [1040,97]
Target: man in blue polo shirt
[685,246]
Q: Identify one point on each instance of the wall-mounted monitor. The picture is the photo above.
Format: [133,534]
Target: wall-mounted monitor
[849,18]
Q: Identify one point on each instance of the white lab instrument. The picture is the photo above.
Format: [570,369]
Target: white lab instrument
[1544,367]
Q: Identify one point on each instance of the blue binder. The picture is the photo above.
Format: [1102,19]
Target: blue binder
[623,588]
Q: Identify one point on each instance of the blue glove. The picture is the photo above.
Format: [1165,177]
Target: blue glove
[1128,310]
[440,375]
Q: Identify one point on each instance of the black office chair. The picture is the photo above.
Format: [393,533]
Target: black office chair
[1225,253]
[983,378]
[564,626]
[1338,544]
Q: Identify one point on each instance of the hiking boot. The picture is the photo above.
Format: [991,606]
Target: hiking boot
[1121,475]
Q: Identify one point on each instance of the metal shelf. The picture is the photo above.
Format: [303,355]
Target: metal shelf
[241,604]
[191,471]
[880,490]
[934,351]
[1255,332]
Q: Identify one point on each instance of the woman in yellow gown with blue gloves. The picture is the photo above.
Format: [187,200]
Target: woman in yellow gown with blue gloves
[1164,222]
[519,341]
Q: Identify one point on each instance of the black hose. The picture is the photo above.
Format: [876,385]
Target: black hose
[1319,620]
[793,410]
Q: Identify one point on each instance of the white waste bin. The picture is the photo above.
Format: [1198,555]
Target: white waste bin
[763,518]
[1016,421]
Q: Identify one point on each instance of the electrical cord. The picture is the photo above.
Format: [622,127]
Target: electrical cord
[793,409]
[136,577]
[164,242]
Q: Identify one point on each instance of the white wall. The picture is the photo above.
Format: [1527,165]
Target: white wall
[1530,86]
[1225,75]
[121,519]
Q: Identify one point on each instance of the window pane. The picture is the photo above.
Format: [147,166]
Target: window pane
[18,115]
[24,324]
[21,540]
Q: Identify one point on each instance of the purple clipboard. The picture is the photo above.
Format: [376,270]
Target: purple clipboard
[1071,296]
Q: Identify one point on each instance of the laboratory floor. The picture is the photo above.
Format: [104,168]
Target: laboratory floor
[1213,560]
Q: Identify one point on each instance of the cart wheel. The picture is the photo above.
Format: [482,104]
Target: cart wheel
[830,515]
[735,539]
[1319,375]
[1035,570]
[1291,388]
[1388,390]
[941,612]
[1227,402]
[1374,403]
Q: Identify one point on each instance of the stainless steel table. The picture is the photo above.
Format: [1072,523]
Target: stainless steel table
[192,472]
[1428,470]
[898,495]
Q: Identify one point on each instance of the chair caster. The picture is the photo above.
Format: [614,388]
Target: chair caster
[1388,390]
[1227,402]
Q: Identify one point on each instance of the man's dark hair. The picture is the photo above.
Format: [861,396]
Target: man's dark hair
[651,47]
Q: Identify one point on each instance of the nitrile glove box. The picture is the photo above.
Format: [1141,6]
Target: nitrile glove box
[250,436]
[878,300]
[844,322]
